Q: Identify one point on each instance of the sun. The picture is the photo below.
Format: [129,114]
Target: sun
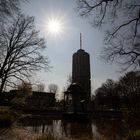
[54,26]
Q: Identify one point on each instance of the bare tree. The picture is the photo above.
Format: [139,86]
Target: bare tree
[25,88]
[126,90]
[107,95]
[106,88]
[8,8]
[121,18]
[20,51]
[69,81]
[53,88]
[130,83]
[40,87]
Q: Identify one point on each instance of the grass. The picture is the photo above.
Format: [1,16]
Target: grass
[133,135]
[4,109]
[93,138]
[131,118]
[6,116]
[49,136]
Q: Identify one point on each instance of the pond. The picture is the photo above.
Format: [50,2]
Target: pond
[111,129]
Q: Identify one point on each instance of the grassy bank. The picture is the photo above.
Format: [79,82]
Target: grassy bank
[133,135]
[7,116]
[18,133]
[46,136]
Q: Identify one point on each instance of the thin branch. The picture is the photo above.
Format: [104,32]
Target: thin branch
[103,13]
[123,25]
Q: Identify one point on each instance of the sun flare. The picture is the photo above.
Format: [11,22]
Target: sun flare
[54,26]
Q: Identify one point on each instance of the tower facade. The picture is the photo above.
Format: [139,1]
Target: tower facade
[77,97]
[81,69]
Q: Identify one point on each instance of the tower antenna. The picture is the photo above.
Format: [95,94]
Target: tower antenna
[80,40]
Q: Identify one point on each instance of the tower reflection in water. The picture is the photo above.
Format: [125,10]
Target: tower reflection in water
[110,129]
[59,127]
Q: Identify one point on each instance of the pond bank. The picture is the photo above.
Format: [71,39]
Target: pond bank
[16,133]
[19,133]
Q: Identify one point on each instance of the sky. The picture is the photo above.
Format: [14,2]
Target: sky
[60,47]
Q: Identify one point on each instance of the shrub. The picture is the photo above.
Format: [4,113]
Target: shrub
[45,136]
[133,135]
[132,118]
[18,102]
[92,138]
[87,138]
[51,137]
[6,117]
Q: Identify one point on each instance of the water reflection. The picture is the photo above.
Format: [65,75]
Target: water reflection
[110,129]
[76,129]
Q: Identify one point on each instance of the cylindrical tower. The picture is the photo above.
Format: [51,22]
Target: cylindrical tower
[81,70]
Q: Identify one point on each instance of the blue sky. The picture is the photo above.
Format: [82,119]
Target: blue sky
[61,47]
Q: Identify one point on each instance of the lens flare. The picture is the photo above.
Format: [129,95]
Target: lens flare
[54,26]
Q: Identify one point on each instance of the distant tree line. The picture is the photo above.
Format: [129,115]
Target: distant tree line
[124,93]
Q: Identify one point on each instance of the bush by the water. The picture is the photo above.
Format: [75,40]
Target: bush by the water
[47,137]
[131,117]
[5,120]
[133,135]
[6,117]
[92,138]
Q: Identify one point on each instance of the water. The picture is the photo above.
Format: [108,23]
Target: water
[111,129]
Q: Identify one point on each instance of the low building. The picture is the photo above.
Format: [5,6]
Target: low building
[40,100]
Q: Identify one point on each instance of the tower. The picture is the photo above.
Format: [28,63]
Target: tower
[81,69]
[77,96]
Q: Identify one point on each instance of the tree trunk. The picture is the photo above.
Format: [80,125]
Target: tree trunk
[1,87]
[2,83]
